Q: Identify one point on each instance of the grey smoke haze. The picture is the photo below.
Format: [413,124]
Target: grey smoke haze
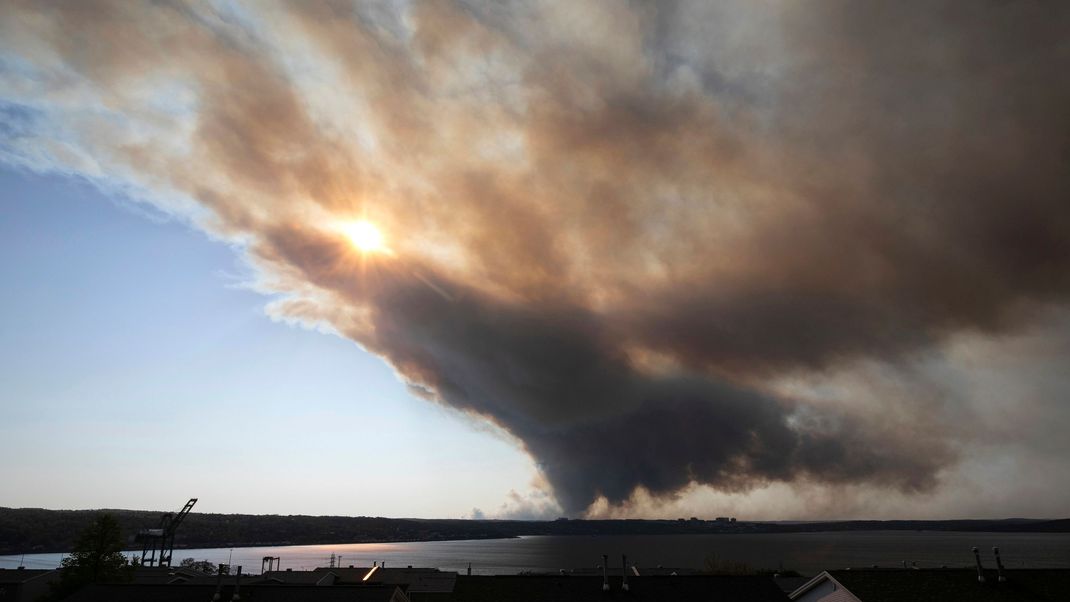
[616,228]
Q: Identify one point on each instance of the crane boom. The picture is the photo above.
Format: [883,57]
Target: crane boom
[162,539]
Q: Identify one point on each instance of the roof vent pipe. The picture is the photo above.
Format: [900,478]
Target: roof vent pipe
[624,563]
[980,569]
[999,564]
[218,584]
[237,587]
[605,577]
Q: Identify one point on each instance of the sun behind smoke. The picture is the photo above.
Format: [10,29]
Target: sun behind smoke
[365,236]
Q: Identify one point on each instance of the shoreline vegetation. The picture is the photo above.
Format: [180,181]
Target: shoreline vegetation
[40,531]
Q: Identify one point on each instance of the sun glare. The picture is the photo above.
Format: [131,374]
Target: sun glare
[365,236]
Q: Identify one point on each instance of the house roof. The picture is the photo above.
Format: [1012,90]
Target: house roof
[924,585]
[790,584]
[190,578]
[8,576]
[304,577]
[548,588]
[415,579]
[254,593]
[644,571]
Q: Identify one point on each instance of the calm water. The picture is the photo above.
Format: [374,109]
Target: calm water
[805,552]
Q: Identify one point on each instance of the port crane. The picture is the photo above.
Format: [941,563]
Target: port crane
[161,540]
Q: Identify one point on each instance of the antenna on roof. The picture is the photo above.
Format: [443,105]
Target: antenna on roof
[980,570]
[605,577]
[237,587]
[999,564]
[218,583]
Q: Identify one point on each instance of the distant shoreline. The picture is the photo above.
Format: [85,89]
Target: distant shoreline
[39,531]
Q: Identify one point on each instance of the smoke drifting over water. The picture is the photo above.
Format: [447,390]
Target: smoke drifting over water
[618,231]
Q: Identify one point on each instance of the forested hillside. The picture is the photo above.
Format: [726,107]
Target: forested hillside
[30,530]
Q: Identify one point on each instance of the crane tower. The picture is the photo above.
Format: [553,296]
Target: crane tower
[158,544]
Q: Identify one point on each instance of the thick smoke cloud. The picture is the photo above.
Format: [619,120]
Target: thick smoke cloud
[612,225]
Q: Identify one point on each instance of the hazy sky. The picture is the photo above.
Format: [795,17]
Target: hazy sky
[773,260]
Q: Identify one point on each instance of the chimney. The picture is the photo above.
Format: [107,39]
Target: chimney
[980,570]
[624,563]
[999,564]
[218,583]
[605,577]
[237,587]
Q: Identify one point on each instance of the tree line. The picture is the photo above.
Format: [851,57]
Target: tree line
[34,530]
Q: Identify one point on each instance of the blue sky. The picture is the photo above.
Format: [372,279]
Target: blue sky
[136,370]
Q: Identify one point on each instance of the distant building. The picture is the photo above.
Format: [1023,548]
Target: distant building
[25,585]
[946,585]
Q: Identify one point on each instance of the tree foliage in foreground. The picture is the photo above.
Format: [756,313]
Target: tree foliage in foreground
[97,557]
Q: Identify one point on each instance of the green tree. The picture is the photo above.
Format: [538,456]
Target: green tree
[97,558]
